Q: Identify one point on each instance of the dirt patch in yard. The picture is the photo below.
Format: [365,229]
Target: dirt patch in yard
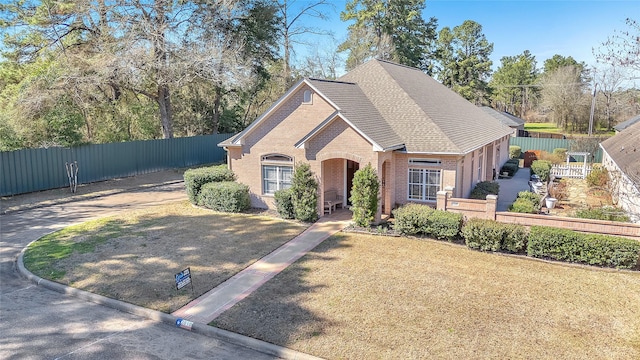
[134,256]
[581,196]
[376,297]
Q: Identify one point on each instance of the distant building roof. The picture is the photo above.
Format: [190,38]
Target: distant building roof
[504,117]
[624,150]
[625,124]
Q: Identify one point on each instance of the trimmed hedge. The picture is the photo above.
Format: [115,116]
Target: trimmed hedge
[194,179]
[413,219]
[526,202]
[284,203]
[490,235]
[515,152]
[484,188]
[226,196]
[510,168]
[541,168]
[568,245]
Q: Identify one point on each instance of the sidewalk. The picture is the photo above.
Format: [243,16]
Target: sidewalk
[213,303]
[509,188]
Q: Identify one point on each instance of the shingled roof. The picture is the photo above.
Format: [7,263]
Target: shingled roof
[394,105]
[624,150]
[625,124]
[426,115]
[504,117]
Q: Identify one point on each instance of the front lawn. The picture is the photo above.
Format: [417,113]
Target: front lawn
[367,297]
[134,256]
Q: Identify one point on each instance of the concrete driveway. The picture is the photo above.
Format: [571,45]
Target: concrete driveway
[37,323]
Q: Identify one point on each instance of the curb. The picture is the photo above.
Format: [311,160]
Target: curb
[88,196]
[203,329]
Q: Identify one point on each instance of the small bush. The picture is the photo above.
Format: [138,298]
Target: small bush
[284,203]
[530,196]
[412,219]
[554,158]
[598,177]
[304,188]
[226,196]
[485,235]
[515,152]
[509,168]
[484,188]
[364,196]
[560,152]
[444,225]
[567,245]
[542,168]
[523,206]
[515,238]
[604,213]
[195,178]
[489,235]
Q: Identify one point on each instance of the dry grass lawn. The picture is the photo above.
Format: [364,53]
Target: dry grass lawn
[369,297]
[134,256]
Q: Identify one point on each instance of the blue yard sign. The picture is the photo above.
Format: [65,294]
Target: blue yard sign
[183,278]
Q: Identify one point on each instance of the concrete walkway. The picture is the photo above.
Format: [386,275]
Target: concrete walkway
[509,188]
[219,299]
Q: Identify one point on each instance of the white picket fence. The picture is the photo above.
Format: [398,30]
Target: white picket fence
[572,171]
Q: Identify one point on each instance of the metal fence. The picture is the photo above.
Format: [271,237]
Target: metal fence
[29,170]
[549,144]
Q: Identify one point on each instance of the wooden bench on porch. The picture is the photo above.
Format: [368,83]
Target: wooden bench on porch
[331,201]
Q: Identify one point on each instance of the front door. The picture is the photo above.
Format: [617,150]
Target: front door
[352,167]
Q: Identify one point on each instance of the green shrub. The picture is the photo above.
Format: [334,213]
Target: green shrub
[522,205]
[604,213]
[530,196]
[444,225]
[560,152]
[304,188]
[515,238]
[598,177]
[509,168]
[364,196]
[412,219]
[515,152]
[484,188]
[513,161]
[284,203]
[226,196]
[567,245]
[485,235]
[195,178]
[542,168]
[490,235]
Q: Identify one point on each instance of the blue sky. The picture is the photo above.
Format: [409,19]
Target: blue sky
[569,28]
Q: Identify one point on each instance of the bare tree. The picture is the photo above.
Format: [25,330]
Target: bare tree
[563,93]
[609,79]
[293,25]
[622,48]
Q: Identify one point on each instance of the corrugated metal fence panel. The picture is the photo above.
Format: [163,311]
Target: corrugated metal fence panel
[30,170]
[547,145]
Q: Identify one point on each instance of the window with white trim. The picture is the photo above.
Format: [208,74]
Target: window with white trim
[424,184]
[277,171]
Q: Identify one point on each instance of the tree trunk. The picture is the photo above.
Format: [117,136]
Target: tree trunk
[216,110]
[164,104]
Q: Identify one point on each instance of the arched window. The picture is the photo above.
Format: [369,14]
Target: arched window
[277,170]
[307,97]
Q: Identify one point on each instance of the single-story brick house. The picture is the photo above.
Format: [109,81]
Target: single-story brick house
[419,135]
[621,157]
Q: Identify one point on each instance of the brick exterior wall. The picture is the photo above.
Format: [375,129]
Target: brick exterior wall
[486,209]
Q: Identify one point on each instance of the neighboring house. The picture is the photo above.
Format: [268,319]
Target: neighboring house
[512,121]
[621,157]
[420,136]
[625,124]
